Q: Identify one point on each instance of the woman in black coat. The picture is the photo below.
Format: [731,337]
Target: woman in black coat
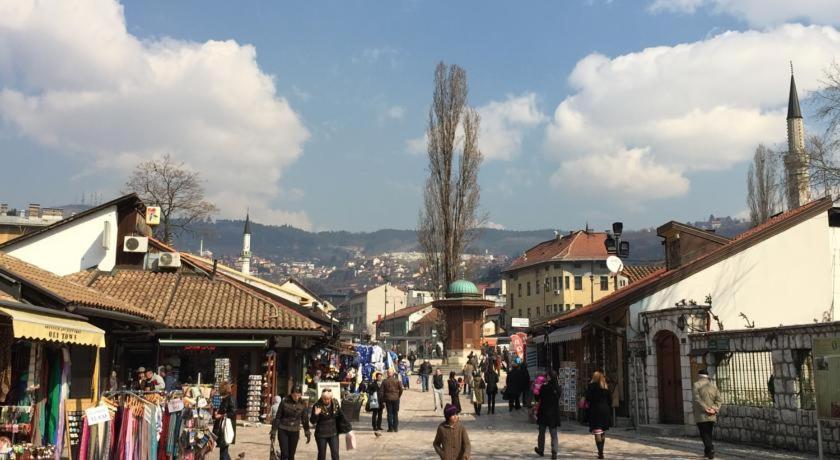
[491,378]
[454,391]
[598,398]
[548,414]
[327,417]
[226,410]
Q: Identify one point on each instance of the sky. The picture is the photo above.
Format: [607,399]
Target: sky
[313,114]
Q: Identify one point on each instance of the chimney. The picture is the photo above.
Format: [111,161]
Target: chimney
[4,208]
[34,211]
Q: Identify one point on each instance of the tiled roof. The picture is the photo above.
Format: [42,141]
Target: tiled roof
[662,278]
[429,317]
[635,273]
[195,301]
[579,245]
[404,312]
[65,290]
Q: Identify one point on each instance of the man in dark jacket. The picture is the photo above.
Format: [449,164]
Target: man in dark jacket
[548,414]
[392,391]
[291,415]
[437,388]
[512,382]
[425,371]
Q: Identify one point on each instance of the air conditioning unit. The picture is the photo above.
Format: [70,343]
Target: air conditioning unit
[557,292]
[169,259]
[136,244]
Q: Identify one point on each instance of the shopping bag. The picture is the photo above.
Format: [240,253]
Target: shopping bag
[350,440]
[373,402]
[229,433]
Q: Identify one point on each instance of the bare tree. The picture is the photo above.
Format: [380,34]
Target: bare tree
[763,191]
[178,191]
[449,219]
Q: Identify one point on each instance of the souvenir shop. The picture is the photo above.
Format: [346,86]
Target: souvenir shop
[49,368]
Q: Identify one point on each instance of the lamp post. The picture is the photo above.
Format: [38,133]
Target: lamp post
[615,246]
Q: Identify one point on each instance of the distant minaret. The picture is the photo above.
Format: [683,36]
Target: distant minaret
[796,160]
[246,246]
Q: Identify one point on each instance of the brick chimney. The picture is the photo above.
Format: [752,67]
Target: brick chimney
[684,243]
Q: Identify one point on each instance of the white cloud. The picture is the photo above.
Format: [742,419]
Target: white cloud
[396,112]
[656,115]
[74,79]
[758,12]
[494,226]
[416,146]
[373,55]
[503,123]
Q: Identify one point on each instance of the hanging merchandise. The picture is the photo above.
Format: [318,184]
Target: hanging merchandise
[221,371]
[254,397]
[269,383]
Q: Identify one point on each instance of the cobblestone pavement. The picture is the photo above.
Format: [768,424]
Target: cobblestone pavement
[504,435]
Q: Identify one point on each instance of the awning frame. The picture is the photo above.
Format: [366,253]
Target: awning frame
[33,325]
[566,334]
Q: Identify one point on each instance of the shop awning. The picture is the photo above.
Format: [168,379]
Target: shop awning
[199,342]
[36,326]
[566,334]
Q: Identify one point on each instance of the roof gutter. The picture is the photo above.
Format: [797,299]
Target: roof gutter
[100,313]
[241,331]
[41,310]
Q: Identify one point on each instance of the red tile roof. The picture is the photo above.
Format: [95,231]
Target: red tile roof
[635,273]
[404,312]
[65,290]
[579,245]
[662,278]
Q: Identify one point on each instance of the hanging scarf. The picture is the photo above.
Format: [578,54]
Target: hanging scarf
[64,393]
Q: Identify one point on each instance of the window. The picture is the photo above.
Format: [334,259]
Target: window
[511,301]
[578,305]
[557,308]
[744,378]
[528,288]
[519,288]
[605,283]
[568,307]
[567,282]
[557,266]
[529,313]
[554,283]
[520,313]
[547,283]
[577,264]
[578,283]
[538,311]
[537,286]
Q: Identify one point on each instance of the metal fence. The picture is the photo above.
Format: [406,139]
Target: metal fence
[805,383]
[745,378]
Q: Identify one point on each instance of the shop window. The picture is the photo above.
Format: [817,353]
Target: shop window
[745,378]
[605,283]
[578,283]
[82,361]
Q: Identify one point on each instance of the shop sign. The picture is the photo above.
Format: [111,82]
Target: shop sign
[827,377]
[98,414]
[520,322]
[152,215]
[62,334]
[175,405]
[718,345]
[384,334]
[199,348]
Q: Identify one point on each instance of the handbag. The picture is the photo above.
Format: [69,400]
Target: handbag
[583,403]
[350,440]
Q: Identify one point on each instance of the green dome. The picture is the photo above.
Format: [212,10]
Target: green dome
[462,288]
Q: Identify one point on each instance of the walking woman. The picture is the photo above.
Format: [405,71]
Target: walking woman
[478,392]
[327,417]
[548,413]
[291,414]
[598,398]
[375,402]
[226,410]
[454,391]
[491,379]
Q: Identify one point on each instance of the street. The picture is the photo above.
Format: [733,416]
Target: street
[500,436]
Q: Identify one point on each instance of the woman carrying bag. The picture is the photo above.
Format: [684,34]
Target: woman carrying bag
[329,422]
[224,426]
[375,402]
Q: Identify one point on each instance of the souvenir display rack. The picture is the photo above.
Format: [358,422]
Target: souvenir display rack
[269,382]
[254,397]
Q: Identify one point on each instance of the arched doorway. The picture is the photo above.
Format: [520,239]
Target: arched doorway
[669,377]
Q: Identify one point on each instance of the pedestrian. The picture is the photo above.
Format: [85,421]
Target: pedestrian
[153,381]
[548,414]
[327,417]
[525,385]
[706,402]
[454,390]
[437,388]
[412,357]
[392,390]
[598,398]
[139,382]
[425,371]
[292,414]
[452,441]
[478,392]
[275,405]
[171,383]
[375,401]
[469,368]
[491,381]
[512,388]
[226,411]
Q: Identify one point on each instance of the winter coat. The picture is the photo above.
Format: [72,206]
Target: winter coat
[227,408]
[437,381]
[468,373]
[706,396]
[291,416]
[452,442]
[599,407]
[549,409]
[492,381]
[376,388]
[454,389]
[326,423]
[478,394]
[392,389]
[425,368]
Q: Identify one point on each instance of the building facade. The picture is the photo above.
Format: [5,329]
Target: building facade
[357,315]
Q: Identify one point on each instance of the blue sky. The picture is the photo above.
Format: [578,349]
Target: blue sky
[310,113]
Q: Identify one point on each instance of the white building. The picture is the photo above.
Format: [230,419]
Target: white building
[359,312]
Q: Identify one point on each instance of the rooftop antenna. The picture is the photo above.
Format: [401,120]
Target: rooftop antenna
[791,68]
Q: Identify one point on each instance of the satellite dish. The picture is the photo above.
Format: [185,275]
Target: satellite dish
[614,264]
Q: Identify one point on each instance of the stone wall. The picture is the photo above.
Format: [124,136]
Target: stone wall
[787,424]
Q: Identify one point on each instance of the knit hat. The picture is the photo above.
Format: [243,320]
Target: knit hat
[703,372]
[450,410]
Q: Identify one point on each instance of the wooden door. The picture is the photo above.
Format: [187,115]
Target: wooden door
[669,378]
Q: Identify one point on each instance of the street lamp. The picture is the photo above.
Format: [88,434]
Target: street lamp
[613,242]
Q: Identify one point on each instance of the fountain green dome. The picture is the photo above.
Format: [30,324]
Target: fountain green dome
[462,288]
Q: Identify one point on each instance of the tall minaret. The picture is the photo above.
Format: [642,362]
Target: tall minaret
[798,182]
[246,246]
